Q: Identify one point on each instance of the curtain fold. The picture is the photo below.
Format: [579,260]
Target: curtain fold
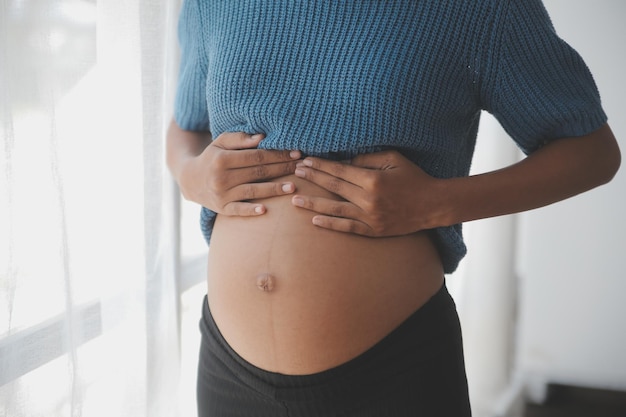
[89,249]
[89,315]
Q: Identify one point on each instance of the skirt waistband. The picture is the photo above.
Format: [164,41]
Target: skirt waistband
[420,337]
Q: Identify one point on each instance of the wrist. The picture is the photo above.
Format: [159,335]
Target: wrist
[440,205]
[448,194]
[185,177]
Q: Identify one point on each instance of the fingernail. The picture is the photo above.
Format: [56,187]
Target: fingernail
[308,162]
[259,210]
[257,136]
[299,172]
[300,165]
[298,201]
[287,187]
[294,154]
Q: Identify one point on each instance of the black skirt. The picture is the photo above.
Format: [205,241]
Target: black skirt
[417,370]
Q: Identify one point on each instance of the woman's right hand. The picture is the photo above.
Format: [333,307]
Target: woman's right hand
[230,171]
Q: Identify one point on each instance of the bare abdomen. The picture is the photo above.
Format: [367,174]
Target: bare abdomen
[293,298]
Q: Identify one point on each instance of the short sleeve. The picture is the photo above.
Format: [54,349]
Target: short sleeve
[190,107]
[540,88]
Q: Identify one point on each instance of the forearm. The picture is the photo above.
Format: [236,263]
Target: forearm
[562,169]
[183,145]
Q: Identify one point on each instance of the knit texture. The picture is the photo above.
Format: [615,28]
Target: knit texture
[340,78]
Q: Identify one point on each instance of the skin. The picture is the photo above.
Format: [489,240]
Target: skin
[280,289]
[385,193]
[224,173]
[275,302]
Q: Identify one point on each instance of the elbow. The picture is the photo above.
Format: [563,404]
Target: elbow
[610,157]
[613,165]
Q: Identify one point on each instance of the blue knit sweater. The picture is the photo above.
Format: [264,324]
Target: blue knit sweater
[343,77]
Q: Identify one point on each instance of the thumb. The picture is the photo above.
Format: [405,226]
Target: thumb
[377,160]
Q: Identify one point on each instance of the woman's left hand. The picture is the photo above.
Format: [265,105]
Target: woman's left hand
[385,194]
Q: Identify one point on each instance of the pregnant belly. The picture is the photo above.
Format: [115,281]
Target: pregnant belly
[293,298]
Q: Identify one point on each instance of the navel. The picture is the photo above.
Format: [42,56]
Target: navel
[265,282]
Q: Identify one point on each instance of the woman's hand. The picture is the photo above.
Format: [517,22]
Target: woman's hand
[385,194]
[225,173]
[230,171]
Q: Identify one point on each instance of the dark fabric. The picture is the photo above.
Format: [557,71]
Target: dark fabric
[416,370]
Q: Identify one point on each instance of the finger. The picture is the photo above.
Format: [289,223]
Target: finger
[243,209]
[237,176]
[336,185]
[260,190]
[247,155]
[336,169]
[327,206]
[335,215]
[357,175]
[339,224]
[255,157]
[378,160]
[238,140]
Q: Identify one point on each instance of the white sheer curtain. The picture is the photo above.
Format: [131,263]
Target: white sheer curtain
[89,302]
[89,296]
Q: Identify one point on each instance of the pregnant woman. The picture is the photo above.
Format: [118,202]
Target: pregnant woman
[329,144]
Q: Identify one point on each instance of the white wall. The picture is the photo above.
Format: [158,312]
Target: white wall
[571,256]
